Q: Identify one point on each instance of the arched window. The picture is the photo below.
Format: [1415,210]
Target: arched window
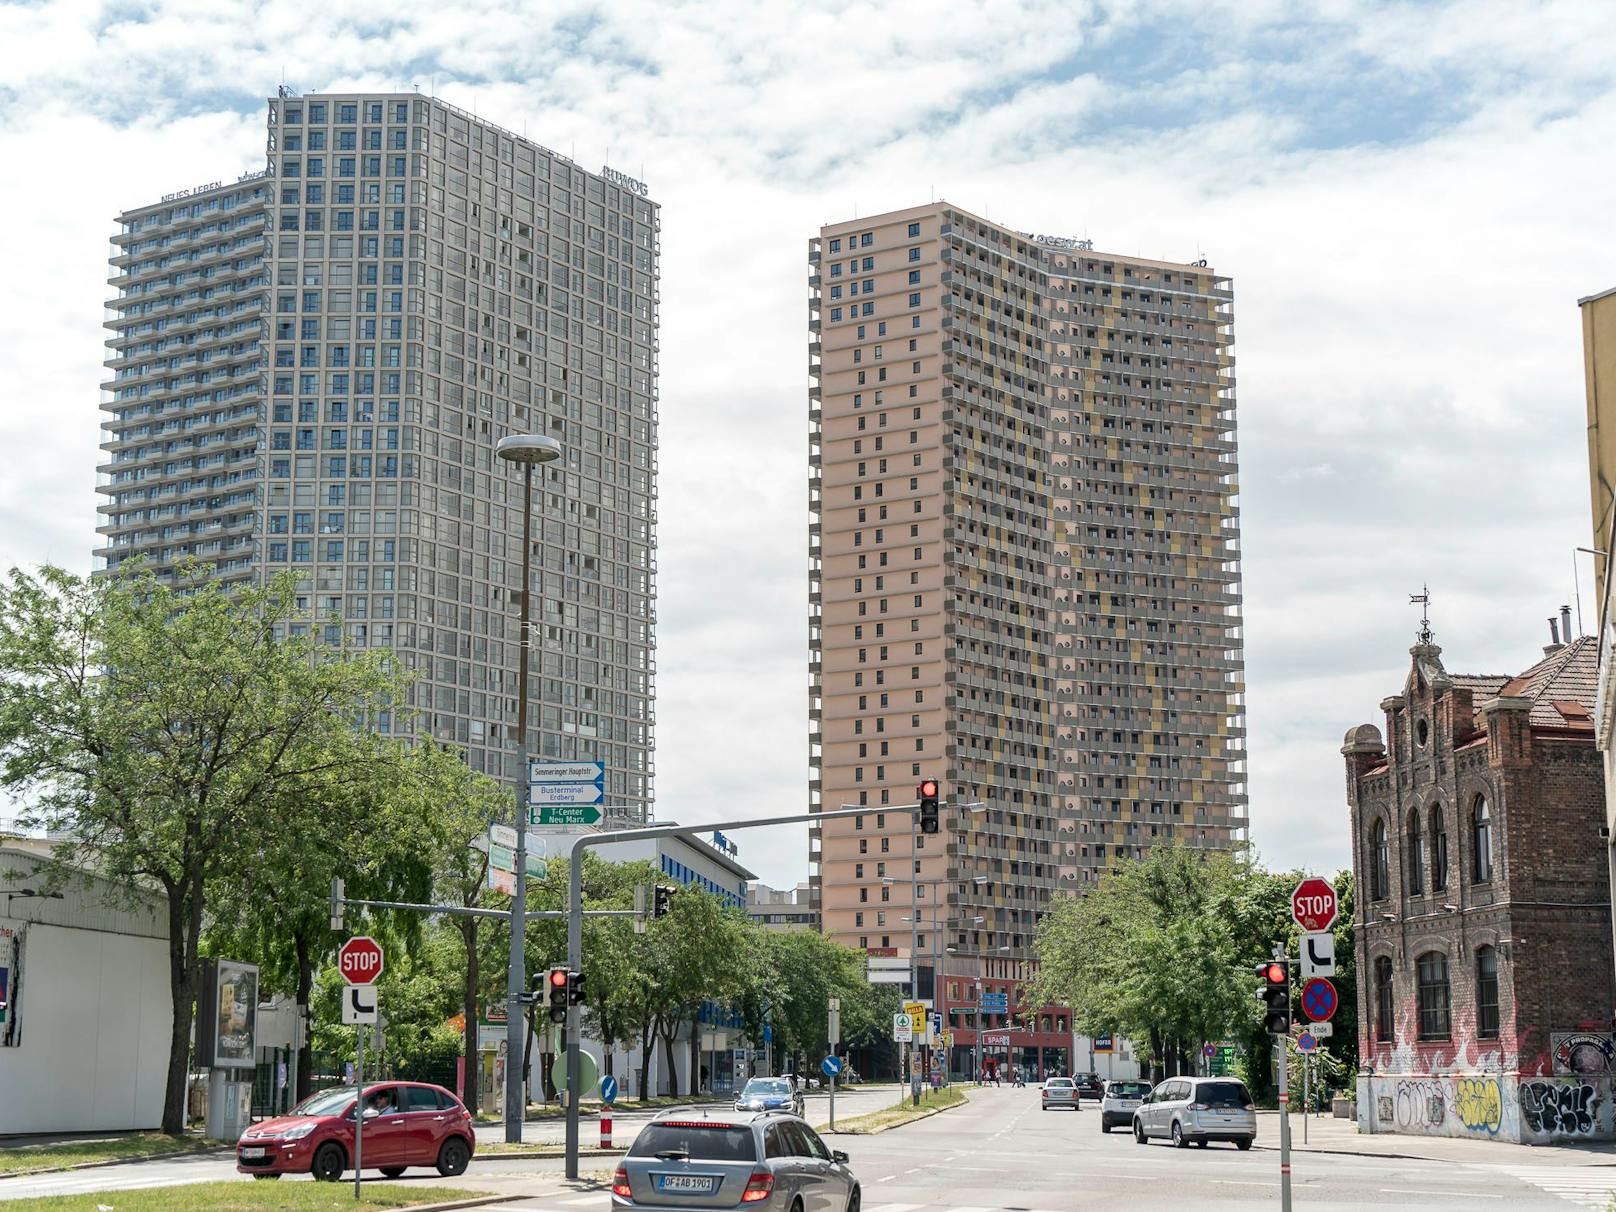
[1431,971]
[1486,993]
[1379,857]
[1439,849]
[1383,998]
[1481,836]
[1416,855]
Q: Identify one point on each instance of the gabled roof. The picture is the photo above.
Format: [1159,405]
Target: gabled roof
[1562,686]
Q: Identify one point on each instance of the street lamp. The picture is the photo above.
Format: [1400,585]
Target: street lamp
[527,450]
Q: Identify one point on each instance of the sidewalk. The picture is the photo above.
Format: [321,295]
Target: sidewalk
[1326,1134]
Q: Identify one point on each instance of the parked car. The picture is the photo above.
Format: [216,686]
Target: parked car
[769,1094]
[1199,1109]
[1118,1102]
[406,1124]
[1059,1092]
[770,1161]
[1089,1085]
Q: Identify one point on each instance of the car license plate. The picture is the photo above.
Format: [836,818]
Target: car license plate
[687,1184]
[252,1153]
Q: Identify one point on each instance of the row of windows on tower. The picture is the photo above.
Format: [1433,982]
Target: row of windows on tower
[1422,846]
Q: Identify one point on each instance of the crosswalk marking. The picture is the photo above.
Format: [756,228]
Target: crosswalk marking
[1584,1186]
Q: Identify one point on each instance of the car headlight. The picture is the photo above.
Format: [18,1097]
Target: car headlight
[297,1133]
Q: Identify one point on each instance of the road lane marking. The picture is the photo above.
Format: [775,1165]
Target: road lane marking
[1448,1194]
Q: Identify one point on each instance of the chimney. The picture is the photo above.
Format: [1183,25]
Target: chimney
[1565,624]
[1554,645]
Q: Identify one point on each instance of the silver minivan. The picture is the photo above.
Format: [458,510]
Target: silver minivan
[1199,1109]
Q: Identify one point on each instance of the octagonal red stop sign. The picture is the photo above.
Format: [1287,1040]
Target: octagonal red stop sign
[1313,904]
[360,960]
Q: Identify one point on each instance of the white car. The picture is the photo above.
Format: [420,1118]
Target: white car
[1198,1109]
[1119,1102]
[1060,1092]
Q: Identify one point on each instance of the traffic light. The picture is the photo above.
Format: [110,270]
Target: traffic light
[663,901]
[575,988]
[556,981]
[336,902]
[928,805]
[1276,995]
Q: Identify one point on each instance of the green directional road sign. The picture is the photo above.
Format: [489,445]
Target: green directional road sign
[503,858]
[563,814]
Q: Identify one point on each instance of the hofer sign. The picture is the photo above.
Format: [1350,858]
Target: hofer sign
[1313,904]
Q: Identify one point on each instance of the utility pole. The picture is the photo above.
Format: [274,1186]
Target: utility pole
[1282,956]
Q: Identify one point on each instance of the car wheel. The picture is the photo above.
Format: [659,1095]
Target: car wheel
[453,1158]
[1139,1137]
[1244,1143]
[1105,1126]
[1201,1144]
[853,1201]
[328,1163]
[392,1171]
[1180,1141]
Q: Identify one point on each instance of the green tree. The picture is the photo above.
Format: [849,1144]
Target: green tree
[166,727]
[1150,954]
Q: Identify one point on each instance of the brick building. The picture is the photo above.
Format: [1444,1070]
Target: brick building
[1483,928]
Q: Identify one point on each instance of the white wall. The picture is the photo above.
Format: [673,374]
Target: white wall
[94,1014]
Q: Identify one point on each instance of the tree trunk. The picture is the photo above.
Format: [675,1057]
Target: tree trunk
[695,1053]
[305,988]
[468,935]
[182,993]
[1157,1069]
[668,1032]
[647,1031]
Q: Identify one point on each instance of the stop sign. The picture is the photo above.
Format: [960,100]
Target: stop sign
[1313,904]
[360,960]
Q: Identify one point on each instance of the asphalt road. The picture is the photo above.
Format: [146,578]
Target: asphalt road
[1001,1153]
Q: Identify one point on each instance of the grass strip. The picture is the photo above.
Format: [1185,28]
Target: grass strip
[293,1196]
[891,1117]
[61,1154]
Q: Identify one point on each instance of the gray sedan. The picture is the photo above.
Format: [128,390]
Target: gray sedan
[770,1161]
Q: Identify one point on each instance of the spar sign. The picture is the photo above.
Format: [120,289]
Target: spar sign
[1313,904]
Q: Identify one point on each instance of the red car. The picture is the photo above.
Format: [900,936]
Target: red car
[406,1124]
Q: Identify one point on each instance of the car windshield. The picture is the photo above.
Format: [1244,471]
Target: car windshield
[1222,1094]
[770,1085]
[326,1102]
[1128,1089]
[696,1139]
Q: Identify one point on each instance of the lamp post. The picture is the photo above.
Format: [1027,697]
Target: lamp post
[528,451]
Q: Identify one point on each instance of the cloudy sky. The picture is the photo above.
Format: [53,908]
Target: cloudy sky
[1409,197]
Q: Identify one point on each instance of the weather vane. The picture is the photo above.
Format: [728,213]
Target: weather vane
[1422,599]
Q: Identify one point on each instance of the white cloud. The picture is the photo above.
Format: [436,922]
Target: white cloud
[1410,197]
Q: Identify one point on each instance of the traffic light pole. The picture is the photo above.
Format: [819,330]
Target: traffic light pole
[575,920]
[1284,1102]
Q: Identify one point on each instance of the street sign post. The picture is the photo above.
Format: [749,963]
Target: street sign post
[1306,1042]
[1321,1030]
[1318,955]
[1319,999]
[566,772]
[360,960]
[1313,904]
[608,1089]
[903,1028]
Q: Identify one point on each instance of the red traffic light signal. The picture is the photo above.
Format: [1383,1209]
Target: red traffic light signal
[928,789]
[1274,973]
[558,978]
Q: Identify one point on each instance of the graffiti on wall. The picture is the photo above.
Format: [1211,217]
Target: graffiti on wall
[1558,1110]
[1479,1104]
[1385,1110]
[1421,1105]
[1582,1053]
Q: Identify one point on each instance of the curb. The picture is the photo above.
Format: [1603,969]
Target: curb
[1306,1149]
[116,1161]
[480,1201]
[535,1155]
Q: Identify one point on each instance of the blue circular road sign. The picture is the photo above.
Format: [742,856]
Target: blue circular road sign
[1306,1043]
[1319,999]
[831,1066]
[608,1089]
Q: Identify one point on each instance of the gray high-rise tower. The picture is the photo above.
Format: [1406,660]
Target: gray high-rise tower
[311,366]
